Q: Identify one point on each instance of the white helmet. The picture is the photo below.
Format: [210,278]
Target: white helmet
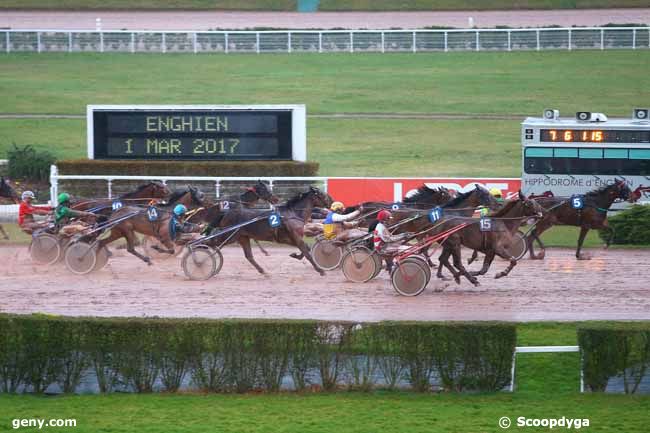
[27,194]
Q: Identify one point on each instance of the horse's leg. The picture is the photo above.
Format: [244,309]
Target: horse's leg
[503,253]
[610,230]
[266,253]
[474,257]
[458,264]
[245,243]
[444,260]
[4,233]
[487,262]
[130,246]
[304,250]
[581,239]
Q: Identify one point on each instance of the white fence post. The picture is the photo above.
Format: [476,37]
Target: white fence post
[569,40]
[8,43]
[414,45]
[383,46]
[634,39]
[537,40]
[217,189]
[289,42]
[69,42]
[478,42]
[110,187]
[163,47]
[320,42]
[38,41]
[54,185]
[602,39]
[226,41]
[446,44]
[509,41]
[194,43]
[132,42]
[351,42]
[101,42]
[257,42]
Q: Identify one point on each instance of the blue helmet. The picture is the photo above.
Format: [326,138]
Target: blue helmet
[179,210]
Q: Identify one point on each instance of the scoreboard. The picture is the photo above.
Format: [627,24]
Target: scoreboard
[197,132]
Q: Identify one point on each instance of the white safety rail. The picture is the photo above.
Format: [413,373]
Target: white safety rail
[326,41]
[218,182]
[8,213]
[544,349]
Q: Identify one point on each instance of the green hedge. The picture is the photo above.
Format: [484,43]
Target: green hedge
[29,163]
[615,350]
[631,226]
[246,355]
[188,168]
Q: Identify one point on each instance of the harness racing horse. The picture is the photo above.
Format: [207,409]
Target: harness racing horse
[293,215]
[6,191]
[141,195]
[155,223]
[503,225]
[592,215]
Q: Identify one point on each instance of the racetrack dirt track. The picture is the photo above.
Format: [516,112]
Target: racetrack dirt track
[612,285]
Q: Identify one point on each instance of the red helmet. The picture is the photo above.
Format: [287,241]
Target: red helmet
[383,215]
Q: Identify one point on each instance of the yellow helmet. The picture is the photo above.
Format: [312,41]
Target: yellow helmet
[495,192]
[337,205]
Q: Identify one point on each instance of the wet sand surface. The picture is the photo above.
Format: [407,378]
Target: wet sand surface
[613,285]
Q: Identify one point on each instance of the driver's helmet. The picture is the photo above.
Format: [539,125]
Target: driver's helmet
[64,197]
[383,215]
[336,206]
[27,194]
[180,210]
[495,192]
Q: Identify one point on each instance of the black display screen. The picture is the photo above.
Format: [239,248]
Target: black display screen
[190,134]
[593,136]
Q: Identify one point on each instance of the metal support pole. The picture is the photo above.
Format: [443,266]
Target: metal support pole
[38,41]
[569,47]
[509,41]
[289,42]
[383,45]
[602,39]
[478,42]
[537,40]
[110,188]
[257,42]
[446,43]
[194,43]
[217,188]
[634,39]
[414,45]
[8,43]
[320,42]
[351,43]
[512,371]
[163,47]
[69,42]
[101,42]
[582,373]
[226,36]
[133,42]
[54,185]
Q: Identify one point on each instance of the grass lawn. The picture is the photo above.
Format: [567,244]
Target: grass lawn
[428,5]
[267,5]
[546,387]
[521,83]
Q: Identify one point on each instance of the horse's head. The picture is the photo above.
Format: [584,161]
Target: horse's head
[6,190]
[530,207]
[264,193]
[482,197]
[158,190]
[320,198]
[428,196]
[196,195]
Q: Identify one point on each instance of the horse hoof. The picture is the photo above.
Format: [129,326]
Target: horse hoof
[443,278]
[584,257]
[457,279]
[476,283]
[499,275]
[295,256]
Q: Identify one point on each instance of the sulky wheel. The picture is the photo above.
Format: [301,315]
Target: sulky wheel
[45,249]
[102,258]
[80,258]
[358,265]
[201,263]
[379,264]
[409,278]
[518,247]
[423,264]
[327,254]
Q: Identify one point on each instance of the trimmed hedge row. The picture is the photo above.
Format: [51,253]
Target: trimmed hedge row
[188,168]
[631,226]
[246,355]
[615,350]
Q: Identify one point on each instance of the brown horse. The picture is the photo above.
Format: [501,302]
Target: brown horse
[593,215]
[293,216]
[493,242]
[7,191]
[141,195]
[151,221]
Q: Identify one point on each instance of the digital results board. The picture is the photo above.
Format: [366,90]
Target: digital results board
[197,132]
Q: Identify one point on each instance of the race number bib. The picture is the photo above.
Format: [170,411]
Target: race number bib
[275,220]
[116,205]
[485,224]
[435,214]
[578,201]
[152,214]
[225,205]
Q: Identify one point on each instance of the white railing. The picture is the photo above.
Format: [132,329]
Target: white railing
[325,41]
[544,349]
